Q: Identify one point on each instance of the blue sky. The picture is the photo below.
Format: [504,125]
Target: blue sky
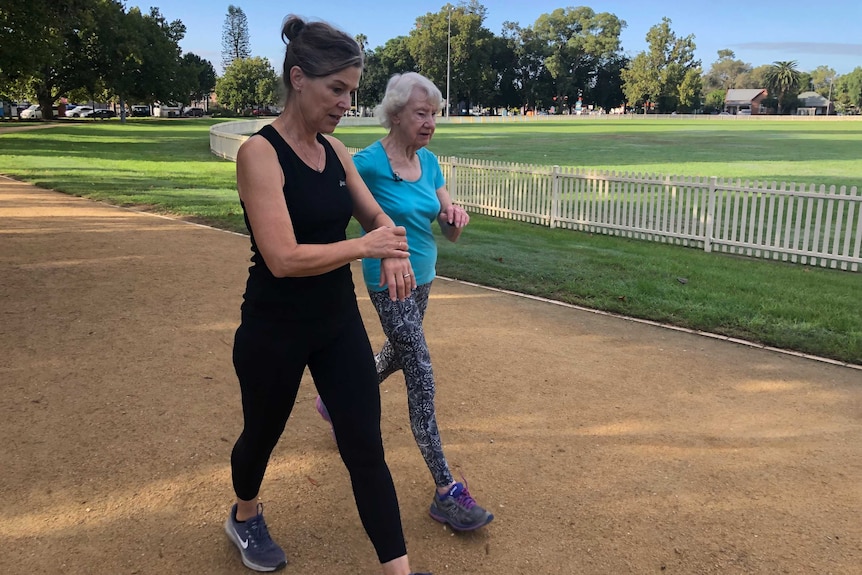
[761,32]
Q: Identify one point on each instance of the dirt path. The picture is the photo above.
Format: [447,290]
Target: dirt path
[604,446]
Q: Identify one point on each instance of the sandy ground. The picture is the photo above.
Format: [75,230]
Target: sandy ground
[603,445]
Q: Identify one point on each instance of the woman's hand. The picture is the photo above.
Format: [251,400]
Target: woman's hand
[398,275]
[455,216]
[386,242]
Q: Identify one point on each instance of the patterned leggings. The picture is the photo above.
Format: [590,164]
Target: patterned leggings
[406,349]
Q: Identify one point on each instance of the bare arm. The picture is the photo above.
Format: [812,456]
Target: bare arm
[260,181]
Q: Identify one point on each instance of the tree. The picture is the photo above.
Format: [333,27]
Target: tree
[664,76]
[714,101]
[688,92]
[198,78]
[235,39]
[725,72]
[531,80]
[848,91]
[470,72]
[756,78]
[246,83]
[380,64]
[782,80]
[823,80]
[502,61]
[576,44]
[139,58]
[50,54]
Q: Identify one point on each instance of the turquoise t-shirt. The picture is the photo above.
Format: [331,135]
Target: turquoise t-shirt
[413,205]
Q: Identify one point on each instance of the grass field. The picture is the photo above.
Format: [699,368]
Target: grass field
[166,166]
[822,152]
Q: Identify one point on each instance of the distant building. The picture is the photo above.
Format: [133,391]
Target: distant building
[813,104]
[746,99]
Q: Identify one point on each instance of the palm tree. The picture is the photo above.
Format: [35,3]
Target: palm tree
[782,78]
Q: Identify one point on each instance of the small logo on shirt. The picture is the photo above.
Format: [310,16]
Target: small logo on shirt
[342,183]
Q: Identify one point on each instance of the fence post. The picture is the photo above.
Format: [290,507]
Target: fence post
[453,181]
[710,214]
[555,197]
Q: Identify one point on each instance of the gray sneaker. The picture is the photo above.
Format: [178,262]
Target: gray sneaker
[459,509]
[258,550]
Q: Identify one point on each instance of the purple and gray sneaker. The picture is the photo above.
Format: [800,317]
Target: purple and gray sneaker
[459,510]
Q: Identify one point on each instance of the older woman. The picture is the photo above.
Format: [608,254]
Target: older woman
[406,180]
[298,189]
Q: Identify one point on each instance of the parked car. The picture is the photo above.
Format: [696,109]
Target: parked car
[265,111]
[141,111]
[101,114]
[78,111]
[194,113]
[744,112]
[34,112]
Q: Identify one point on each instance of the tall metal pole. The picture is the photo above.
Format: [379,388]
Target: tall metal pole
[829,101]
[449,9]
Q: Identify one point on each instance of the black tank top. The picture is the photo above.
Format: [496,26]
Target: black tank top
[320,208]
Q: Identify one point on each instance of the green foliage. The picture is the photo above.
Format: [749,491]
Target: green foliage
[197,78]
[664,75]
[756,78]
[247,82]
[139,57]
[380,65]
[849,90]
[782,81]
[714,101]
[468,51]
[725,72]
[48,47]
[579,44]
[89,47]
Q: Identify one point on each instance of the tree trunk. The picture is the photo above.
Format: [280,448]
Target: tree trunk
[46,100]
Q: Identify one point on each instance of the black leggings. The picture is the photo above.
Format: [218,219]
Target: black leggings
[270,356]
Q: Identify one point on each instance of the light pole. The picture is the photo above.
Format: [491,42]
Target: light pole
[829,100]
[449,9]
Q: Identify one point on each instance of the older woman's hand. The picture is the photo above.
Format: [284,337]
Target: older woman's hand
[398,275]
[455,216]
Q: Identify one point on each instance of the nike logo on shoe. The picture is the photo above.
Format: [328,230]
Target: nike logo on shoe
[243,543]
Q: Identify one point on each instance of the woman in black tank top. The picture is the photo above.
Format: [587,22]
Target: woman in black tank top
[298,190]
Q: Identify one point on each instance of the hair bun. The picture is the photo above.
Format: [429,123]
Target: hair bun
[291,28]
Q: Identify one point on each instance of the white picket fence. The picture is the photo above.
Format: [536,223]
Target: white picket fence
[798,223]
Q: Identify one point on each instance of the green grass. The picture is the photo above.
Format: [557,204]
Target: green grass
[825,152]
[166,166]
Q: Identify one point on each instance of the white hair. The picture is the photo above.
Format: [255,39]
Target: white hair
[398,91]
